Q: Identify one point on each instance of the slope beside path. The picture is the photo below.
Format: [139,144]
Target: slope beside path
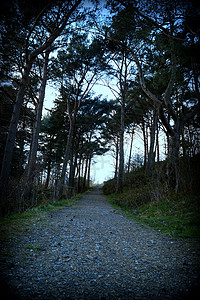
[90,251]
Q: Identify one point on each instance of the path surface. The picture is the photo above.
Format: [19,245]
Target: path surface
[89,251]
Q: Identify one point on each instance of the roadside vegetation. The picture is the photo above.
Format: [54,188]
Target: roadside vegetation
[145,53]
[176,214]
[22,221]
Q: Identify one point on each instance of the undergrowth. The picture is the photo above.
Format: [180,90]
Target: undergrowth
[179,217]
[152,203]
[18,221]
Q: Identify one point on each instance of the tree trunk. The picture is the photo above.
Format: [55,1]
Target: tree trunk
[123,89]
[116,158]
[87,162]
[70,188]
[152,142]
[79,173]
[31,168]
[82,174]
[173,158]
[48,173]
[89,168]
[130,153]
[10,143]
[157,143]
[71,178]
[85,172]
[121,150]
[66,158]
[145,142]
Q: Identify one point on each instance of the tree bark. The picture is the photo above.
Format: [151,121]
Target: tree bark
[87,162]
[145,142]
[152,142]
[157,143]
[121,150]
[173,157]
[9,148]
[130,153]
[85,171]
[89,168]
[30,172]
[70,186]
[73,162]
[123,89]
[116,157]
[48,173]
[66,158]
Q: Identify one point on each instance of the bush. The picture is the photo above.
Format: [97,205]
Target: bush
[133,198]
[136,179]
[109,187]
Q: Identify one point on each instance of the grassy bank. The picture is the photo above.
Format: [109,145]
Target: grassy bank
[178,215]
[22,221]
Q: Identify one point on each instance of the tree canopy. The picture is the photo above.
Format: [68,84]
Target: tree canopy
[145,52]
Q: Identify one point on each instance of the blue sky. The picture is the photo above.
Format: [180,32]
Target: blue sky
[103,166]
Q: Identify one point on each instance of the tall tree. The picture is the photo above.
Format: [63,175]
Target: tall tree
[31,167]
[49,13]
[79,65]
[123,89]
[167,27]
[122,69]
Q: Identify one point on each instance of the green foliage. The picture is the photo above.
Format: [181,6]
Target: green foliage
[150,201]
[135,179]
[137,196]
[109,187]
[17,221]
[132,198]
[179,216]
[81,55]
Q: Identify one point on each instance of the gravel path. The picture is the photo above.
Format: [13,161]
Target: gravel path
[90,251]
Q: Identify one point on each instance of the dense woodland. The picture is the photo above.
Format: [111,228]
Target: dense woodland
[146,52]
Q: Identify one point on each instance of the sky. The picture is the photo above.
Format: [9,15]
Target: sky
[102,167]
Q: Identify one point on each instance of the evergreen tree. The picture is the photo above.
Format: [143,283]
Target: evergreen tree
[42,30]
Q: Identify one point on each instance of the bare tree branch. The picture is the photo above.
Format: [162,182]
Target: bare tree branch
[156,101]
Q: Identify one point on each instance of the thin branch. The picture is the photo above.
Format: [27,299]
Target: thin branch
[143,84]
[54,35]
[114,92]
[169,88]
[155,23]
[34,25]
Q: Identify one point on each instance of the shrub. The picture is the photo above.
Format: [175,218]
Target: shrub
[136,179]
[133,198]
[109,187]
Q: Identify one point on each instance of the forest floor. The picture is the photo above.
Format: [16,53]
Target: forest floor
[91,251]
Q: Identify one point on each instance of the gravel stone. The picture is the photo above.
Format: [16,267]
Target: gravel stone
[88,251]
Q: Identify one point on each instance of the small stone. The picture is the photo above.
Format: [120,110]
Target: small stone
[85,260]
[89,256]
